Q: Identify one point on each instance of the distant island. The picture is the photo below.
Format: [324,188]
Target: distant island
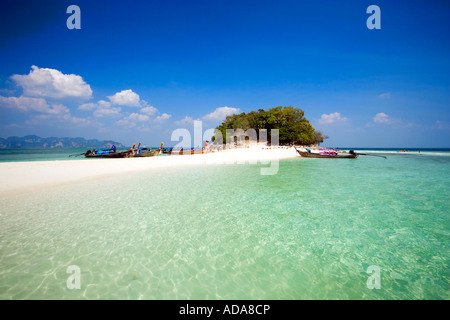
[36,142]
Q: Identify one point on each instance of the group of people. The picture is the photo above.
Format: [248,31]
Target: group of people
[113,148]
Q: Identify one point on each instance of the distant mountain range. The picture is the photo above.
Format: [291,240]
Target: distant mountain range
[35,142]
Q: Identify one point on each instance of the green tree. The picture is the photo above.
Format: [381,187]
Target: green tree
[290,121]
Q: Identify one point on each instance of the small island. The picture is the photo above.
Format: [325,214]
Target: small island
[293,127]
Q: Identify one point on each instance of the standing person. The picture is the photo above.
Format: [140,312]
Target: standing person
[207,146]
[113,148]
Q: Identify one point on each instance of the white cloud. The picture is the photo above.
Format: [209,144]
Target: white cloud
[92,105]
[7,92]
[132,119]
[185,120]
[163,117]
[107,112]
[385,95]
[125,122]
[126,98]
[26,104]
[43,113]
[57,109]
[51,83]
[102,109]
[381,118]
[104,104]
[332,118]
[88,106]
[150,110]
[220,113]
[82,122]
[138,117]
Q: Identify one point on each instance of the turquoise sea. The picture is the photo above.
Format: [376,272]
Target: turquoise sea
[315,230]
[16,155]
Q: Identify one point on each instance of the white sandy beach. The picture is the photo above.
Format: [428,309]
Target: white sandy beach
[19,177]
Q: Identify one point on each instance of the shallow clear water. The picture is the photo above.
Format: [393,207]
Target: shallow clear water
[226,232]
[19,155]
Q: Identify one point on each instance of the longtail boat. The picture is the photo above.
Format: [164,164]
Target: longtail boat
[146,152]
[327,155]
[108,153]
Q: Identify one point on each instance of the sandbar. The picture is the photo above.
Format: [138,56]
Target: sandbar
[20,177]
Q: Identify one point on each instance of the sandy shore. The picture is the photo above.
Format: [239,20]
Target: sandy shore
[19,177]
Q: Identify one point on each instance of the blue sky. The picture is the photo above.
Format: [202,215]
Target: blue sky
[137,70]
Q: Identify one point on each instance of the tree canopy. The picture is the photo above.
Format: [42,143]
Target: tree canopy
[290,121]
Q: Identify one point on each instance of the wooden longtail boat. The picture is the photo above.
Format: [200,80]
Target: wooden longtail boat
[108,153]
[145,152]
[327,156]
